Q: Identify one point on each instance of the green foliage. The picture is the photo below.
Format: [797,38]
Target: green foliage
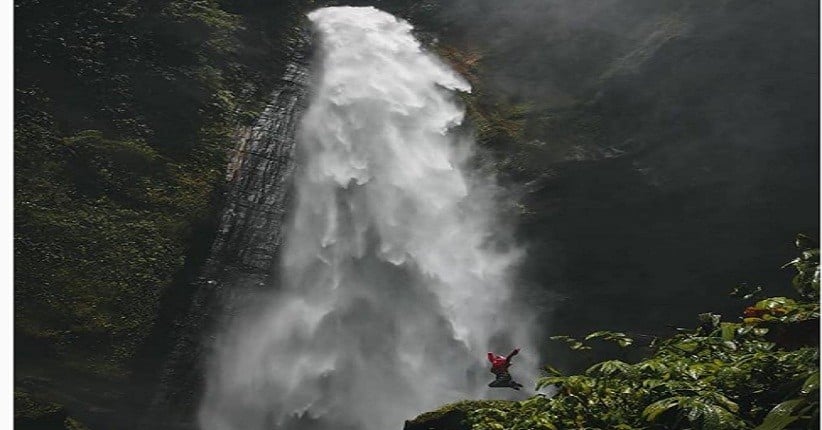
[123,113]
[782,310]
[691,381]
[745,291]
[735,375]
[572,343]
[101,229]
[498,123]
[621,339]
[805,407]
[30,412]
[26,406]
[806,280]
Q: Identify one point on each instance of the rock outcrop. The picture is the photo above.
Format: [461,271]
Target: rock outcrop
[244,254]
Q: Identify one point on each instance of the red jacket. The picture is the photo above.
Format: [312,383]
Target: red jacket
[500,364]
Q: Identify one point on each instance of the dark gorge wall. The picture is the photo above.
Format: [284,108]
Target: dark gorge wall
[664,151]
[125,115]
[243,258]
[702,165]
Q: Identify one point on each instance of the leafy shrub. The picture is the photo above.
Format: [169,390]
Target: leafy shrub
[723,375]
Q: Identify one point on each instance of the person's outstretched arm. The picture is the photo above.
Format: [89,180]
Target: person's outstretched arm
[512,354]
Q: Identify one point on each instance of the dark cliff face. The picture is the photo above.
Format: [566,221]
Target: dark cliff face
[713,171]
[244,254]
[665,150]
[125,113]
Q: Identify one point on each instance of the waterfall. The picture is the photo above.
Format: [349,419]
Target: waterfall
[395,272]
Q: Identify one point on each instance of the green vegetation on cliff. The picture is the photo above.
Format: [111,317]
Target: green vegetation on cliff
[34,414]
[759,372]
[124,111]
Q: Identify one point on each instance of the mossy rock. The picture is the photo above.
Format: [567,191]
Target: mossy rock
[452,416]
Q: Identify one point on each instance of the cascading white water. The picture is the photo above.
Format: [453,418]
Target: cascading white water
[395,281]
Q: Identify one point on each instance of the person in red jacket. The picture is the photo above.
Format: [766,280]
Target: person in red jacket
[499,367]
